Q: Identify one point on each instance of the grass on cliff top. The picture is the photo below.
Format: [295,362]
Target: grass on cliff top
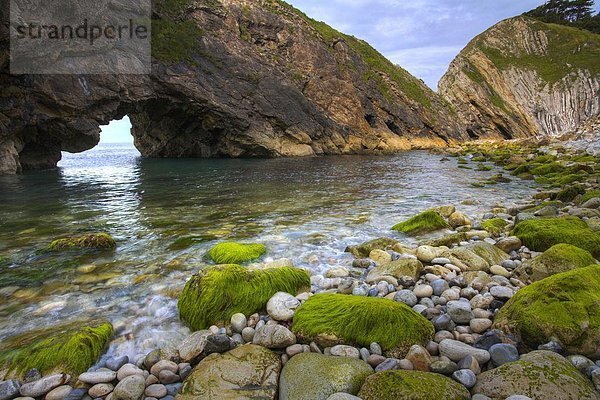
[428,221]
[362,321]
[216,293]
[408,84]
[236,253]
[542,234]
[569,49]
[562,307]
[71,348]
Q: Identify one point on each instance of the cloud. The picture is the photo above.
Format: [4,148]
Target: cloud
[423,36]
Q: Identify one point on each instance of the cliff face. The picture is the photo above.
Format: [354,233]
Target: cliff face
[523,78]
[230,78]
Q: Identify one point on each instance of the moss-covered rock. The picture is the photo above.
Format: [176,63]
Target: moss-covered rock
[236,253]
[491,254]
[563,307]
[541,234]
[540,375]
[316,377]
[334,318]
[495,226]
[397,269]
[411,385]
[559,258]
[216,293]
[363,250]
[466,259]
[590,195]
[92,241]
[71,348]
[426,222]
[248,371]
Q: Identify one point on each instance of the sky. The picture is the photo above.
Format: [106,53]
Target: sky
[422,36]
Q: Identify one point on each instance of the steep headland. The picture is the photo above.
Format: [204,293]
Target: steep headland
[229,79]
[523,77]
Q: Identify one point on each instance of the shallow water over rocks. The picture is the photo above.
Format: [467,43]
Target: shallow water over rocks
[165,215]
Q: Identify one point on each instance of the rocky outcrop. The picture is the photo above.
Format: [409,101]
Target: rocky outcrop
[525,78]
[245,79]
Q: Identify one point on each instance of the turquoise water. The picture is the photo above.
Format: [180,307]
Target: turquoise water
[165,214]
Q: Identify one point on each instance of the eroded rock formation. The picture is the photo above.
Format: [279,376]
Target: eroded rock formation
[252,78]
[523,77]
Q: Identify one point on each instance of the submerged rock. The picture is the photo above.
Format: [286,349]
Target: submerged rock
[247,371]
[316,377]
[216,293]
[92,241]
[329,319]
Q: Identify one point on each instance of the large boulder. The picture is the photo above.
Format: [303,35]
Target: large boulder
[540,375]
[216,293]
[411,385]
[330,319]
[316,377]
[563,308]
[400,268]
[246,372]
[69,348]
[559,258]
[542,234]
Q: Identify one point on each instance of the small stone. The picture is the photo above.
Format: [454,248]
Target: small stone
[498,270]
[444,367]
[440,261]
[78,393]
[274,337]
[164,365]
[128,370]
[44,385]
[380,257]
[503,353]
[509,244]
[100,390]
[460,311]
[238,322]
[470,362]
[32,375]
[419,357]
[93,378]
[480,325]
[501,292]
[130,388]
[294,349]
[406,365]
[364,354]
[157,391]
[114,363]
[314,348]
[422,291]
[166,377]
[345,351]
[192,346]
[439,286]
[184,372]
[581,363]
[152,358]
[465,377]
[9,389]
[219,343]
[375,359]
[442,322]
[552,346]
[281,306]
[151,380]
[375,348]
[456,351]
[388,365]
[407,297]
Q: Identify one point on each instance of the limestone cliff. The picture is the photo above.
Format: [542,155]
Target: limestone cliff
[231,78]
[523,78]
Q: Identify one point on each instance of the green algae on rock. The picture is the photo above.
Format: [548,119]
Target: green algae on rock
[216,293]
[363,250]
[92,241]
[559,258]
[562,308]
[541,234]
[426,222]
[538,375]
[495,226]
[71,348]
[411,385]
[236,253]
[330,319]
[316,377]
[247,371]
